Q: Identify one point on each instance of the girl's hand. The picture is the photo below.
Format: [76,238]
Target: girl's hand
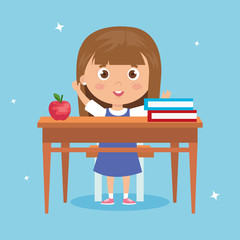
[81,95]
[75,86]
[166,95]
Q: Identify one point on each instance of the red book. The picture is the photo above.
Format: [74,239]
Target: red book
[172,116]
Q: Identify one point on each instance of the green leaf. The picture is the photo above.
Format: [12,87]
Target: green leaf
[57,97]
[61,98]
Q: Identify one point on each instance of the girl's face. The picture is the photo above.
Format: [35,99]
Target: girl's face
[117,84]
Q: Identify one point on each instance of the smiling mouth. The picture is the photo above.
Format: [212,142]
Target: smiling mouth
[118,93]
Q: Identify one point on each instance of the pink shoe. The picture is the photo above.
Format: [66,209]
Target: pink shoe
[128,201]
[108,201]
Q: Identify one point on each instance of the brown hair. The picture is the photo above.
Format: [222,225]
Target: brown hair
[121,46]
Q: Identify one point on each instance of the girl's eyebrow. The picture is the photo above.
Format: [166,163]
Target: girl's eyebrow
[134,66]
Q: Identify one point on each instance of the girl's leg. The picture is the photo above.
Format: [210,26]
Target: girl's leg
[110,182]
[126,200]
[109,201]
[126,182]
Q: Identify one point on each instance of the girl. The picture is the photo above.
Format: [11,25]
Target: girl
[117,67]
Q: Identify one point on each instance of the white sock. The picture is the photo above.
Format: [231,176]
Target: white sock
[125,195]
[110,195]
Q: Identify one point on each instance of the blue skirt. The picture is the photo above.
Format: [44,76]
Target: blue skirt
[117,164]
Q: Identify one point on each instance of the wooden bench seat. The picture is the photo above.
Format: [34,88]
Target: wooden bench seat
[141,152]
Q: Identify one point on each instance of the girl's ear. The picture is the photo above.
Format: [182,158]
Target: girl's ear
[82,80]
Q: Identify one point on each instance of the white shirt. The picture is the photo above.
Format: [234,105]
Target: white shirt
[98,111]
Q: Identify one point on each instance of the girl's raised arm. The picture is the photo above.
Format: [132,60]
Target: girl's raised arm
[90,106]
[81,95]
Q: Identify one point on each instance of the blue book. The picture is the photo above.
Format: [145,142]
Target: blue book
[168,103]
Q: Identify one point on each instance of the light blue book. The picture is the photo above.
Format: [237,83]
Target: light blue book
[168,103]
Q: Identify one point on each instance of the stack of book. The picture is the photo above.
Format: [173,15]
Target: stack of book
[170,110]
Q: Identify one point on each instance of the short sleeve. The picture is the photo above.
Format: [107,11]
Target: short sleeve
[95,109]
[138,112]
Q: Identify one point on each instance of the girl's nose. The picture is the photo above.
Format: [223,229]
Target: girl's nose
[118,83]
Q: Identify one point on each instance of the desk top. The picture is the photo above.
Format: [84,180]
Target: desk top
[113,122]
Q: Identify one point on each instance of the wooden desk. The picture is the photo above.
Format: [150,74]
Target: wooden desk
[109,129]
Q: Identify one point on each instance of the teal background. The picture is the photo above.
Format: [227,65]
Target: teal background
[37,60]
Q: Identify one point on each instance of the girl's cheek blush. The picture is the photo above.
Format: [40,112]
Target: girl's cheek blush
[137,86]
[99,86]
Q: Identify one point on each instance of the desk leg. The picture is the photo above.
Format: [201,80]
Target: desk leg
[193,172]
[65,164]
[46,172]
[174,162]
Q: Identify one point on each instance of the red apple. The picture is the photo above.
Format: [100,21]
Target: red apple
[59,110]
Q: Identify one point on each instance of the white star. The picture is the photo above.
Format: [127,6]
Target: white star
[215,195]
[13,101]
[196,43]
[26,178]
[59,27]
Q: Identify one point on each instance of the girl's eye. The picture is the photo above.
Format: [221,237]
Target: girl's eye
[103,74]
[133,74]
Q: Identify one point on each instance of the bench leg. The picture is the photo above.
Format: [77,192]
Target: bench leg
[97,186]
[140,182]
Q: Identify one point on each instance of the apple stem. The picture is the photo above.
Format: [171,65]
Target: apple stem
[61,98]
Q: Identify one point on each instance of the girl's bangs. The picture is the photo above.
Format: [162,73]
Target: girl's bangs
[119,55]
